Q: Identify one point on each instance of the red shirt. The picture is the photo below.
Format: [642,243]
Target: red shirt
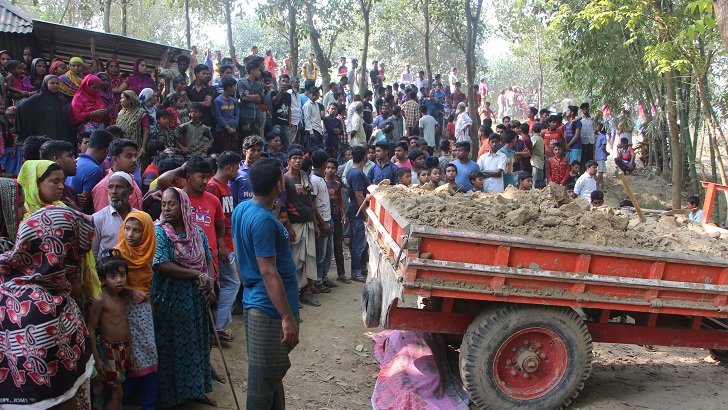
[558,171]
[549,136]
[223,193]
[207,209]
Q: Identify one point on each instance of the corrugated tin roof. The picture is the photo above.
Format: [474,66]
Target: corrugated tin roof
[58,40]
[14,20]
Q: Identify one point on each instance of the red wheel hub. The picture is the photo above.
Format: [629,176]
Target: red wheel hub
[530,363]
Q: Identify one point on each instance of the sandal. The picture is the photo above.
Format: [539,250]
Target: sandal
[308,300]
[224,334]
[361,279]
[323,289]
[329,284]
[343,279]
[314,290]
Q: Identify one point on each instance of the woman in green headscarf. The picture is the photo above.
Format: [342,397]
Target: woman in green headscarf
[42,182]
[12,209]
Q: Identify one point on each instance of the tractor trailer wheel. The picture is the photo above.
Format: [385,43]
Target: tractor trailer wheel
[525,357]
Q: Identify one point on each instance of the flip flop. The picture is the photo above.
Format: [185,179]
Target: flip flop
[323,289]
[343,279]
[361,279]
[308,300]
[329,284]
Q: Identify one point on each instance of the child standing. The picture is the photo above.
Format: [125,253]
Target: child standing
[162,130]
[509,138]
[112,347]
[601,153]
[194,136]
[435,176]
[558,169]
[404,176]
[476,179]
[227,114]
[338,215]
[451,172]
[423,176]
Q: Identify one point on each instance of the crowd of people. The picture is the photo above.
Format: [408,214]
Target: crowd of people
[145,209]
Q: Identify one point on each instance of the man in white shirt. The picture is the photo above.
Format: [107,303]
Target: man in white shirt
[587,182]
[428,128]
[312,120]
[493,164]
[296,108]
[351,75]
[329,96]
[407,76]
[421,83]
[462,124]
[356,134]
[108,220]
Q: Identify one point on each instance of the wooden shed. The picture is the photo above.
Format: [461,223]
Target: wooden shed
[18,30]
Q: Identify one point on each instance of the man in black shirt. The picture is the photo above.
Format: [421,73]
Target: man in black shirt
[202,92]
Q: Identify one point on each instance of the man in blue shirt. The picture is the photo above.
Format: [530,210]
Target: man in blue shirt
[383,168]
[464,165]
[357,182]
[270,300]
[88,169]
[241,186]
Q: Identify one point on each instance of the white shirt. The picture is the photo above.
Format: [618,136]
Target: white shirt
[587,131]
[328,99]
[585,185]
[420,84]
[493,162]
[697,216]
[321,192]
[428,124]
[407,77]
[296,113]
[107,222]
[453,80]
[312,117]
[357,127]
[461,123]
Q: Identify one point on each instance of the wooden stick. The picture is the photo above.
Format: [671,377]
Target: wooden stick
[636,204]
[224,363]
[363,204]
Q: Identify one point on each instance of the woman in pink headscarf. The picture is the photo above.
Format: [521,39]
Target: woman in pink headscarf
[140,79]
[88,110]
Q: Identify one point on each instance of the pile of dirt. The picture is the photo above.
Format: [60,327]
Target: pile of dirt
[550,215]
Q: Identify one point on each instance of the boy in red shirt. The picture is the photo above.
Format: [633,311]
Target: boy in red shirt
[227,170]
[553,134]
[558,169]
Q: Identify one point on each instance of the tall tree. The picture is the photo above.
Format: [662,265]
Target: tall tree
[229,25]
[107,16]
[366,8]
[281,15]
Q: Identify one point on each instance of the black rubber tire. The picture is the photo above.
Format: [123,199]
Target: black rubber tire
[719,355]
[371,303]
[494,326]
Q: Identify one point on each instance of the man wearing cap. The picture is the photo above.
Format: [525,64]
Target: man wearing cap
[462,124]
[109,219]
[123,154]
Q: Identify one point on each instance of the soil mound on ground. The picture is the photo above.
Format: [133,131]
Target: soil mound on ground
[550,215]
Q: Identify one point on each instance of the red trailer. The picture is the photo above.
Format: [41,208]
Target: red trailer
[529,309]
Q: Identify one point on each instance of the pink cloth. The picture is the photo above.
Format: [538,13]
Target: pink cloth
[85,101]
[409,377]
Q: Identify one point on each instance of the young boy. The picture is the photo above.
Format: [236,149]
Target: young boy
[525,181]
[227,115]
[587,183]
[625,156]
[423,177]
[162,131]
[435,176]
[553,134]
[696,214]
[476,179]
[558,169]
[601,154]
[451,172]
[338,215]
[404,176]
[195,137]
[82,140]
[273,148]
[417,159]
[597,198]
[509,139]
[574,172]
[112,347]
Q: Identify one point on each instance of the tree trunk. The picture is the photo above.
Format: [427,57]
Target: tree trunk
[107,16]
[721,16]
[675,151]
[472,19]
[188,33]
[717,215]
[689,152]
[366,6]
[124,4]
[540,69]
[428,64]
[314,36]
[229,23]
[293,36]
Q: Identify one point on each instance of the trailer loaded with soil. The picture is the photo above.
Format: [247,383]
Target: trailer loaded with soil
[532,279]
